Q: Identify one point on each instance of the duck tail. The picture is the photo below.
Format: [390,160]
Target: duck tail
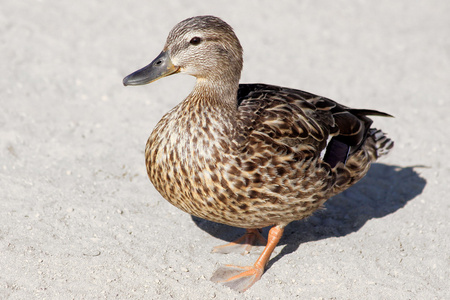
[378,144]
[356,167]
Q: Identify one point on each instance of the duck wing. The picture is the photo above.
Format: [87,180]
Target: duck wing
[308,123]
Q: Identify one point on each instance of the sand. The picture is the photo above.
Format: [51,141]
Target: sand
[79,218]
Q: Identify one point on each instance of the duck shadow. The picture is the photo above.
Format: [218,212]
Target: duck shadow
[384,190]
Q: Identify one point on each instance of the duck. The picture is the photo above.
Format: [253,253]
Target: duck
[249,155]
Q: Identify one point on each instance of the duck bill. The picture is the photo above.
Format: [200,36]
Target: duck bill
[160,67]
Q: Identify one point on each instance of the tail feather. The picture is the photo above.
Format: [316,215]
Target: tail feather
[381,143]
[357,165]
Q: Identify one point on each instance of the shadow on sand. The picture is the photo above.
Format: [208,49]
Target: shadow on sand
[383,191]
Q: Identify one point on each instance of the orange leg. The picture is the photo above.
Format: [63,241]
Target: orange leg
[243,244]
[241,278]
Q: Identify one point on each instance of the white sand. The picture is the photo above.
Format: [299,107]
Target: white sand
[79,218]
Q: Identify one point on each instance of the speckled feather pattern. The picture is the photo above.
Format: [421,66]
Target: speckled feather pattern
[249,155]
[258,164]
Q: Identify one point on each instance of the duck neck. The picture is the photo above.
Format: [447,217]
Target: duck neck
[216,95]
[212,107]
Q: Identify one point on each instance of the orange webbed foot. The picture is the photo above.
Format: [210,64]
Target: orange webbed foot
[236,277]
[243,244]
[241,278]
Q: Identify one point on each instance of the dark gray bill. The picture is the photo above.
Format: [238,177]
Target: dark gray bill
[160,67]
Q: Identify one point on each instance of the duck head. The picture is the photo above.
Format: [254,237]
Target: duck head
[204,46]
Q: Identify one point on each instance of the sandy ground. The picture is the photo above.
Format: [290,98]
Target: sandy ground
[79,218]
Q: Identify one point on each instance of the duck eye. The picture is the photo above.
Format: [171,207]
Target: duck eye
[195,41]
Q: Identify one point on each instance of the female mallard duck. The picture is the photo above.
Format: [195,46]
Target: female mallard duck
[249,155]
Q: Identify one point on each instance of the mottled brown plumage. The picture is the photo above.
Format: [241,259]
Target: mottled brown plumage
[249,155]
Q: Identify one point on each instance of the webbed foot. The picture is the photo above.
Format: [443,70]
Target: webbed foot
[241,278]
[243,244]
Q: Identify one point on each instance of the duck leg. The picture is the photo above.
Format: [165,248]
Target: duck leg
[243,244]
[241,278]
